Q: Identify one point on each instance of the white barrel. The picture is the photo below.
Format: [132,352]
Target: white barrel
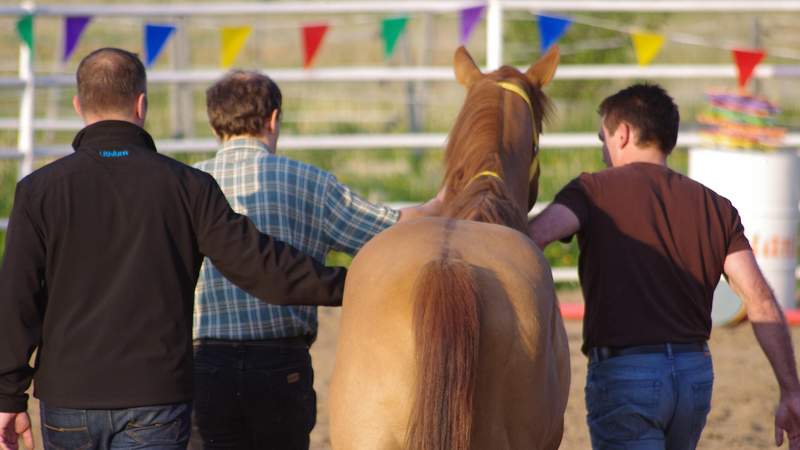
[765,188]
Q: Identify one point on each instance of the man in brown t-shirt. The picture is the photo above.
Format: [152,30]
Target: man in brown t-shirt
[653,245]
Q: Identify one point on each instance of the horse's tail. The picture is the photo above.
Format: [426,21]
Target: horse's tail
[446,340]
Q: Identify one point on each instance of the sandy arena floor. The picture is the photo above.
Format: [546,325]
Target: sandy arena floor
[745,392]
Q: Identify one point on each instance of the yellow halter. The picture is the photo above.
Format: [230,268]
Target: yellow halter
[521,92]
[535,162]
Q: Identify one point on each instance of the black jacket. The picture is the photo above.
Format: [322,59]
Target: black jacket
[102,255]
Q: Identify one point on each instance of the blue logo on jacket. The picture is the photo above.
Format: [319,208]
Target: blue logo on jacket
[113,153]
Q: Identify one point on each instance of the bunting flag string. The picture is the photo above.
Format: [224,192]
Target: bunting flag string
[232,40]
[391,29]
[646,46]
[73,29]
[312,38]
[551,29]
[155,36]
[25,30]
[746,61]
[469,19]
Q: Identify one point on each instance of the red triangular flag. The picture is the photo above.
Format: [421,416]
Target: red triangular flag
[746,62]
[312,38]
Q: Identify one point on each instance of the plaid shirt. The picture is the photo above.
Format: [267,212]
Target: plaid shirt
[296,203]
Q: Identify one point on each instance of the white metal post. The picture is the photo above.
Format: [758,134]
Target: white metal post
[25,133]
[494,35]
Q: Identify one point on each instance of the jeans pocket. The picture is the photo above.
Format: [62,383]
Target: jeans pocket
[168,425]
[701,406]
[290,391]
[622,410]
[65,429]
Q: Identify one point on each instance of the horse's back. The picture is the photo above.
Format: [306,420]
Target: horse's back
[523,365]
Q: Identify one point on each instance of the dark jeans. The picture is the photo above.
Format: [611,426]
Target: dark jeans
[649,401]
[255,395]
[165,427]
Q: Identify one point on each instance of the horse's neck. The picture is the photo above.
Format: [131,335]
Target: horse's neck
[486,199]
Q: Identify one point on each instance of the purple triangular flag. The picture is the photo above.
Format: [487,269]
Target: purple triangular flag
[73,28]
[469,18]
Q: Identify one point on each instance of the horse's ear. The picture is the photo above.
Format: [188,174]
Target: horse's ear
[467,72]
[541,72]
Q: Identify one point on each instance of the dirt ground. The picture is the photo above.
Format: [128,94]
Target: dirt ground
[745,392]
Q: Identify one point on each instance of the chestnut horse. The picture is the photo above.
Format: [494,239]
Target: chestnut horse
[451,337]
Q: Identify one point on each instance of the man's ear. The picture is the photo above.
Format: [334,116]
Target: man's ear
[624,134]
[141,106]
[76,105]
[214,132]
[272,122]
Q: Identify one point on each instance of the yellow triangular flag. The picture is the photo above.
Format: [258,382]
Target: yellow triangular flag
[646,46]
[233,39]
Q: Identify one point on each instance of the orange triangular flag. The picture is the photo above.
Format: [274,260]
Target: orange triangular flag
[746,62]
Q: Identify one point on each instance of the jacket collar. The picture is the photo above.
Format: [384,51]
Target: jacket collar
[113,133]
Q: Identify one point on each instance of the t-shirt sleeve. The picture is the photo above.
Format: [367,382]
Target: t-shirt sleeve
[737,241]
[574,196]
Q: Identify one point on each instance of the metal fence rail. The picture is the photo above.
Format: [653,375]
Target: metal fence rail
[27,80]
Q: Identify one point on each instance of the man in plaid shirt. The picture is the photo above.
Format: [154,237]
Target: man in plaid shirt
[253,374]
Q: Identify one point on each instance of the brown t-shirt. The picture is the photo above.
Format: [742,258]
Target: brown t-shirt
[652,247]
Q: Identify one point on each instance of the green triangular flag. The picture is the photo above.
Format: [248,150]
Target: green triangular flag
[25,30]
[390,31]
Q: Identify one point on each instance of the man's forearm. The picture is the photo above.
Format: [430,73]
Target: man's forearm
[554,223]
[769,326]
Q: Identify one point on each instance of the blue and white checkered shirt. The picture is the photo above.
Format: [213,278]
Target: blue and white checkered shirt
[296,203]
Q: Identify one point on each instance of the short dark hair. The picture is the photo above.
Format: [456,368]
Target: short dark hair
[647,108]
[110,80]
[241,103]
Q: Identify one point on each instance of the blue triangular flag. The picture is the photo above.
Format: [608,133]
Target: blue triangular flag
[155,36]
[551,28]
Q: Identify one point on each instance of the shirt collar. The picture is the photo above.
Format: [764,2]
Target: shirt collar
[244,143]
[113,133]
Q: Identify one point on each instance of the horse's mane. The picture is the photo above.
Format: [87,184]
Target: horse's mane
[475,144]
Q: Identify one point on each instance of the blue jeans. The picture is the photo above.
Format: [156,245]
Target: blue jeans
[164,427]
[649,401]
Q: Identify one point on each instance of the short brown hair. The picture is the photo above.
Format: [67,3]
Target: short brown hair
[647,108]
[241,103]
[110,80]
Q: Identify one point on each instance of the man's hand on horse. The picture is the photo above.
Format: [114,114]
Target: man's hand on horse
[787,419]
[12,425]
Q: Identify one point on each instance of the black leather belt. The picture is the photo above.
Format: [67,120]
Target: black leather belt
[603,353]
[294,341]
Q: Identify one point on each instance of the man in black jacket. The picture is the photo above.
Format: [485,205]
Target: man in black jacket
[102,255]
